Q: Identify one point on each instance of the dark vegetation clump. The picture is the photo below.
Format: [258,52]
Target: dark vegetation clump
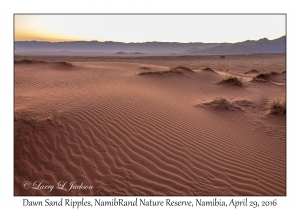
[278,107]
[65,63]
[145,67]
[28,61]
[265,75]
[233,80]
[172,70]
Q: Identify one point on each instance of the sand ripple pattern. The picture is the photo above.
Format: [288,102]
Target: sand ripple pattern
[105,126]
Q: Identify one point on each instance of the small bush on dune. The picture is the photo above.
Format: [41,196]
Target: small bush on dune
[65,63]
[33,119]
[173,71]
[252,71]
[222,102]
[273,72]
[261,76]
[181,67]
[233,80]
[264,75]
[278,107]
[151,72]
[28,61]
[207,69]
[145,67]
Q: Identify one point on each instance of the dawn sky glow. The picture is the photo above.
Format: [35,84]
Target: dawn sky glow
[145,28]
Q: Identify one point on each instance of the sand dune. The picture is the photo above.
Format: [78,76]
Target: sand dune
[103,124]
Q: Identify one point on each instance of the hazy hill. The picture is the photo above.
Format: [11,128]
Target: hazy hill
[260,46]
[109,47]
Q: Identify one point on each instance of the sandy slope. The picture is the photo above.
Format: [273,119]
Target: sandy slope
[102,124]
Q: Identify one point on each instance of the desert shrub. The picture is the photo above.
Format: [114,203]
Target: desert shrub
[151,72]
[65,63]
[145,67]
[278,107]
[181,67]
[173,71]
[273,72]
[222,102]
[170,71]
[28,61]
[233,80]
[252,71]
[261,76]
[207,69]
[266,74]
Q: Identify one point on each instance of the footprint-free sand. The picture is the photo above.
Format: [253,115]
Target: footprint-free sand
[97,122]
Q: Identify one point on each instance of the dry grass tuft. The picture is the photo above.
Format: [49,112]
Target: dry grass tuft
[181,67]
[261,76]
[151,72]
[207,69]
[171,71]
[265,75]
[233,80]
[176,71]
[37,121]
[278,107]
[145,67]
[222,103]
[252,71]
[65,63]
[273,72]
[28,61]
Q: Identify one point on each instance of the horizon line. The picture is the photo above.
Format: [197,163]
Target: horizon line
[145,41]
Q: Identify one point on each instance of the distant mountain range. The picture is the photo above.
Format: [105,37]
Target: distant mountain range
[147,48]
[246,47]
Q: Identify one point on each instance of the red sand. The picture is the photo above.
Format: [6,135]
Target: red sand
[102,124]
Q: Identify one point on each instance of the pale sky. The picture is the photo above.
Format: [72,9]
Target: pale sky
[145,28]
